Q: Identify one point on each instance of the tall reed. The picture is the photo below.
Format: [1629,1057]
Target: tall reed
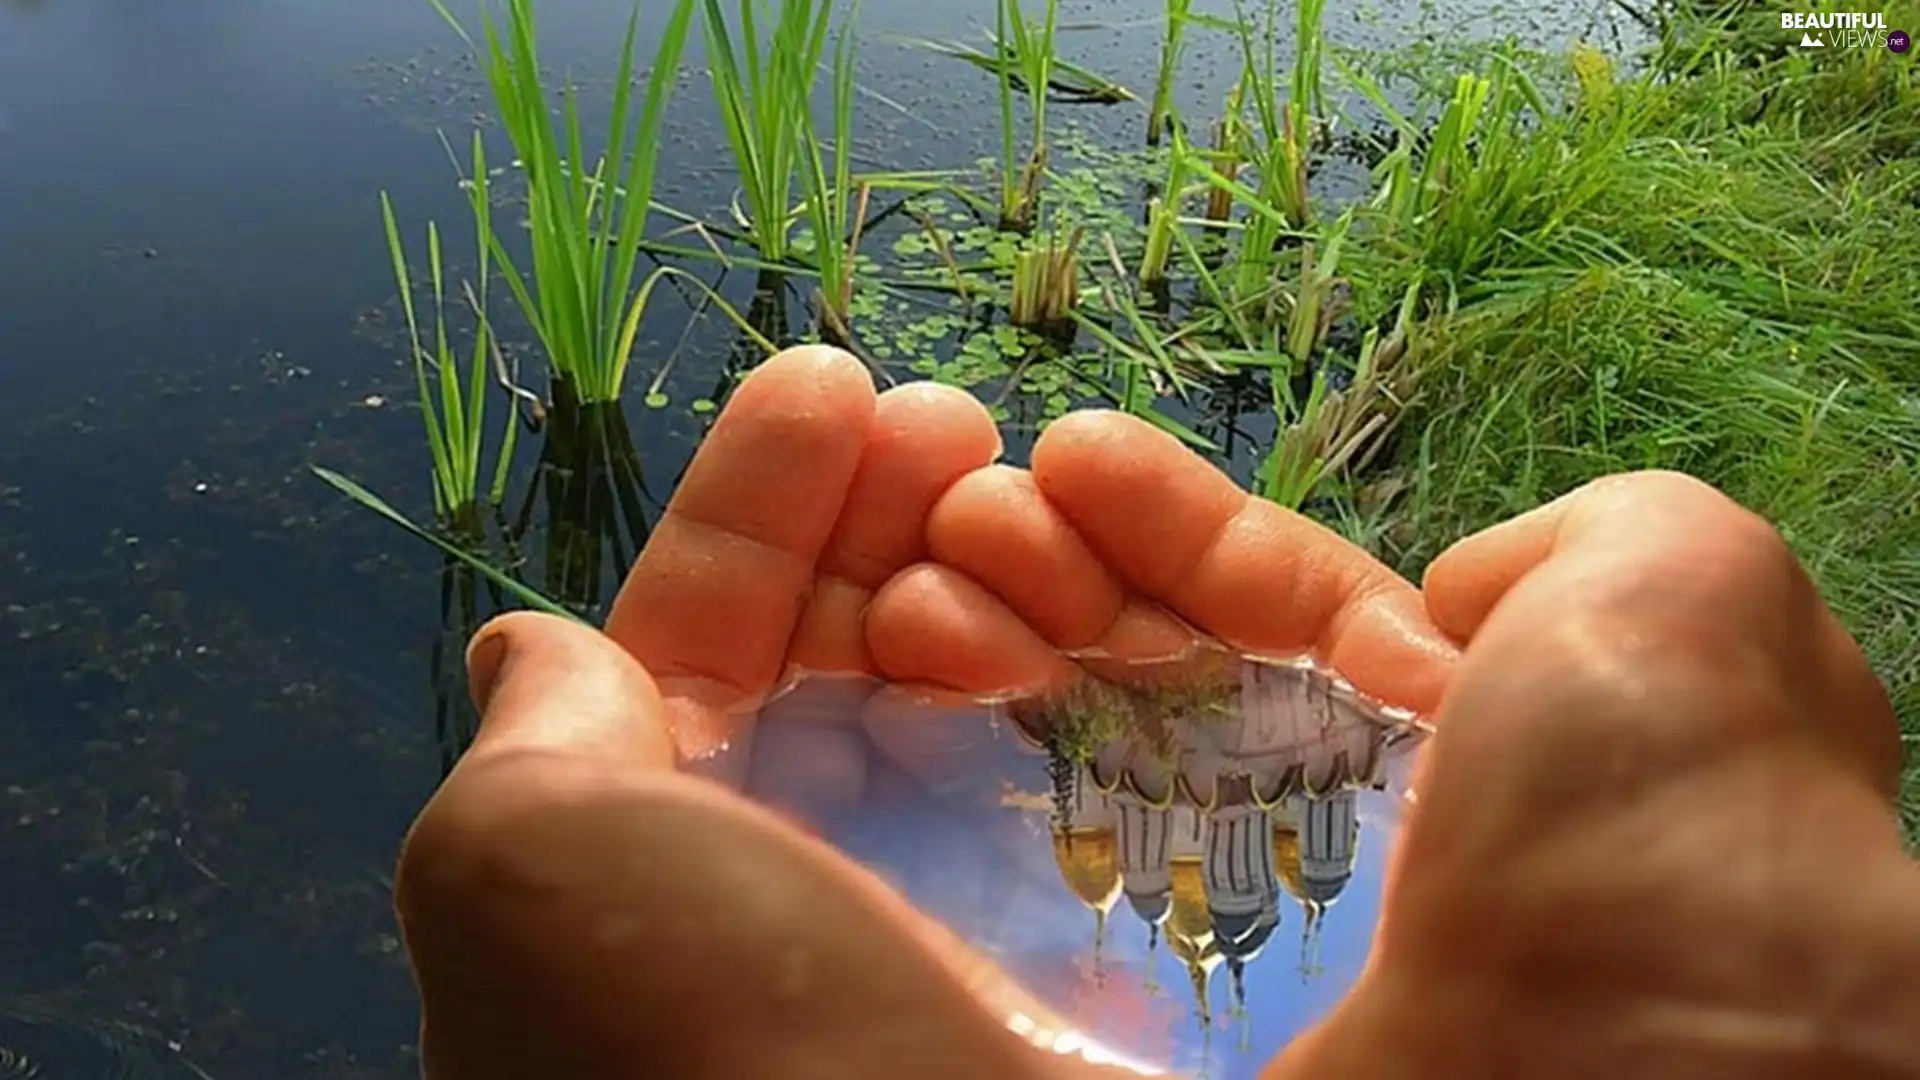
[1046,282]
[836,208]
[763,89]
[1172,46]
[1500,167]
[585,225]
[1027,59]
[1286,124]
[1163,217]
[453,405]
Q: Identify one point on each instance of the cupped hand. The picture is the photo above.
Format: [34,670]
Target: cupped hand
[575,905]
[1653,834]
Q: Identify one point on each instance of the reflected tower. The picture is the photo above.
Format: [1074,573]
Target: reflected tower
[1243,890]
[1146,859]
[1085,842]
[1189,925]
[1315,844]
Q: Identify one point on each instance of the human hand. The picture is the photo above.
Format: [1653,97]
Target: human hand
[1653,835]
[576,906]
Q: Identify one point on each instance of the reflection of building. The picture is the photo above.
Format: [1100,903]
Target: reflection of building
[1086,844]
[1189,923]
[1243,891]
[1202,825]
[1315,842]
[1146,858]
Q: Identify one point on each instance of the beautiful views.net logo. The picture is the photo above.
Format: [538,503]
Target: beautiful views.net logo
[1845,30]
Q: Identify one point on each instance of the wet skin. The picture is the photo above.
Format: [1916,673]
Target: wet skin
[1653,837]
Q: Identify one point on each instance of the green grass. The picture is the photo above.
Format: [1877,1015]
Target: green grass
[585,226]
[1691,274]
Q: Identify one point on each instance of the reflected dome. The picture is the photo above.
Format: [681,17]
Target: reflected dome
[1204,805]
[1246,944]
[1230,926]
[1330,834]
[1150,907]
[1325,891]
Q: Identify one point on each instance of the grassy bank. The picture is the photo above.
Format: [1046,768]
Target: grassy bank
[1737,295]
[1558,266]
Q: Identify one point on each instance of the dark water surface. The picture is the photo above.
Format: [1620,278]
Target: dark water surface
[219,694]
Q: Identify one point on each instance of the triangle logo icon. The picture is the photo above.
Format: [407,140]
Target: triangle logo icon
[1808,41]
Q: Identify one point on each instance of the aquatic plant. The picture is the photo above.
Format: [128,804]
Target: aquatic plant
[1067,80]
[763,89]
[1499,167]
[1027,48]
[1160,115]
[1335,431]
[1163,218]
[1046,282]
[836,208]
[454,415]
[1285,123]
[585,225]
[520,590]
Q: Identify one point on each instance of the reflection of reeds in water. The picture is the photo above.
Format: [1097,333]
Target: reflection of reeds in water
[454,720]
[590,483]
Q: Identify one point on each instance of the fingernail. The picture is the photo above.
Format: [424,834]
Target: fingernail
[486,659]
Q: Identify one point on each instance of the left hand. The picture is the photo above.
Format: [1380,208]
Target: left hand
[577,906]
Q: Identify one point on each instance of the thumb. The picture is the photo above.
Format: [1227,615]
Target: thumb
[575,909]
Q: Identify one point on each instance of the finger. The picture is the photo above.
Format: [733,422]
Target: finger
[712,602]
[567,915]
[923,438]
[1262,578]
[996,527]
[933,624]
[546,685]
[1685,575]
[810,757]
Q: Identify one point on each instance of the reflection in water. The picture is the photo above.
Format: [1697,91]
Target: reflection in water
[1119,847]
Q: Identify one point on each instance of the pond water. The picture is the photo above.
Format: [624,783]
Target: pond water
[225,692]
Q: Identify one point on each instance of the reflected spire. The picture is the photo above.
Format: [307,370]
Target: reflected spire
[1310,942]
[1085,845]
[1190,933]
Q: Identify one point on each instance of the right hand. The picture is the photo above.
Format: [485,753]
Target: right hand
[1653,835]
